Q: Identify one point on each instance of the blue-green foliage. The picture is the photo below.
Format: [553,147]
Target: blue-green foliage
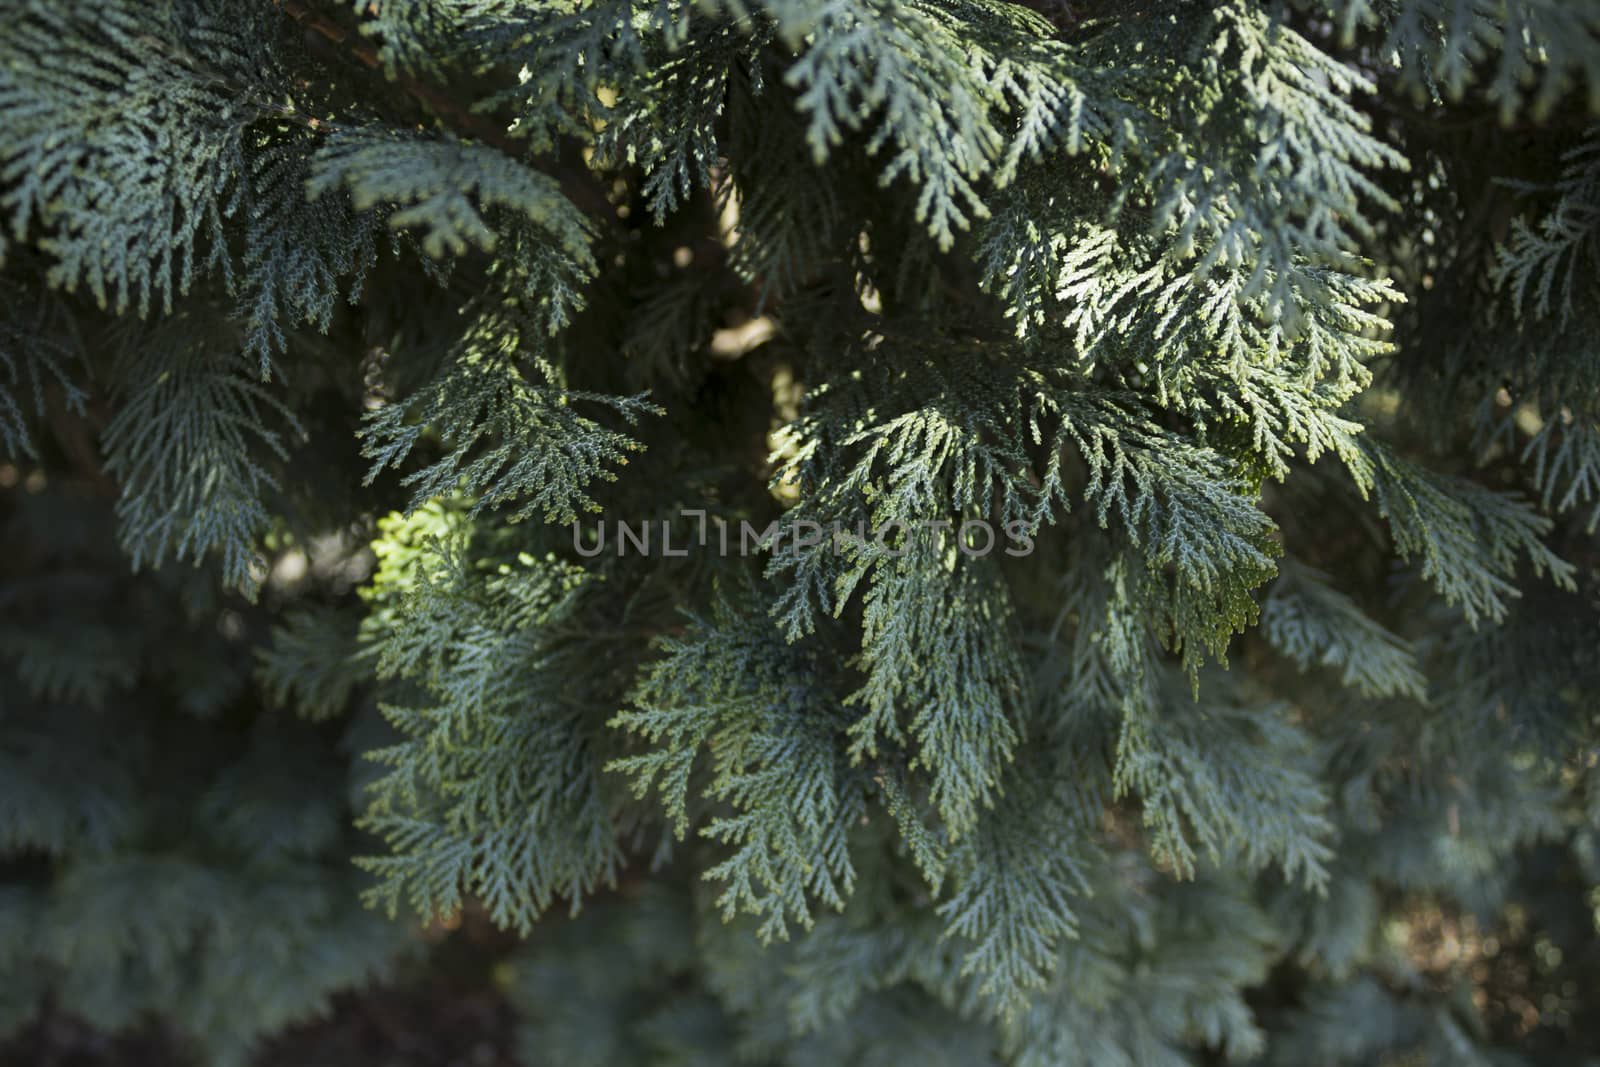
[161,861]
[1540,268]
[1314,624]
[189,445]
[1196,404]
[494,788]
[509,439]
[446,187]
[39,351]
[1533,52]
[124,154]
[777,764]
[301,253]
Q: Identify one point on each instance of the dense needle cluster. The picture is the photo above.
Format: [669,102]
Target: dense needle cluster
[330,330]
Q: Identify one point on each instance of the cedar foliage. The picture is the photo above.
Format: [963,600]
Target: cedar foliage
[1268,324]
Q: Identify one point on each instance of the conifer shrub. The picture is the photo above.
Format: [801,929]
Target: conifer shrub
[804,531]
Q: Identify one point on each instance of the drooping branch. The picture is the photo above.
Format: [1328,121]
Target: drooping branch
[577,181]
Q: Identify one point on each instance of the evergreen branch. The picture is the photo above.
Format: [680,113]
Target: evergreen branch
[187,445]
